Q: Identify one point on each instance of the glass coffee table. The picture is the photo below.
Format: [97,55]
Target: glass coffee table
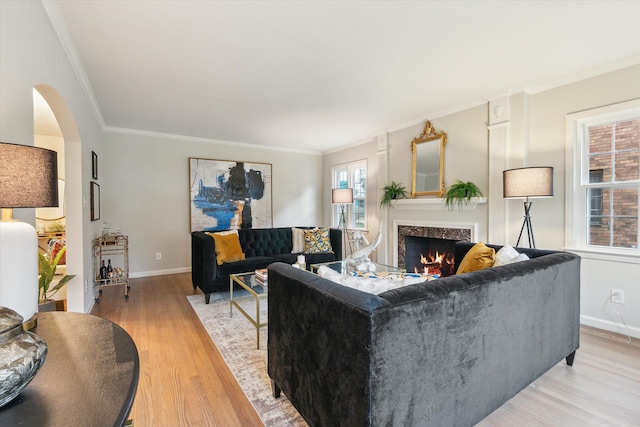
[257,291]
[343,268]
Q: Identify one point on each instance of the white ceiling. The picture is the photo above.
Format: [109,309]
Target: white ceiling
[324,74]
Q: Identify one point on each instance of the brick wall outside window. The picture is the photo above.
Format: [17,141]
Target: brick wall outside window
[614,148]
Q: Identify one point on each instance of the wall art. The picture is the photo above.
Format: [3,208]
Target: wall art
[94,165]
[228,195]
[95,201]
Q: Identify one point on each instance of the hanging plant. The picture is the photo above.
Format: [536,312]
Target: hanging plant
[460,194]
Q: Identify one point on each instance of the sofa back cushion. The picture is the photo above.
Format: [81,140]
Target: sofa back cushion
[265,241]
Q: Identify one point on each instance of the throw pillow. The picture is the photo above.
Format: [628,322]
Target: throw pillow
[507,255]
[297,235]
[316,241]
[228,247]
[479,256]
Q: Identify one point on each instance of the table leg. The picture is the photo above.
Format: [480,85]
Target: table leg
[230,297]
[258,322]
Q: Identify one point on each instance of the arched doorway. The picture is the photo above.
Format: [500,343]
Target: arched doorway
[73,210]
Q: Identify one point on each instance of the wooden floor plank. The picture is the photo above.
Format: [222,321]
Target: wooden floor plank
[185,382]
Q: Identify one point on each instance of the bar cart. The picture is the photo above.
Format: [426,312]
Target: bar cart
[107,248]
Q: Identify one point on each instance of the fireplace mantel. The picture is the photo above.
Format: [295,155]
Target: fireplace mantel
[434,203]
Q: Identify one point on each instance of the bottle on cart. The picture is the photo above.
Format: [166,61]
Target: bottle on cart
[103,271]
[109,270]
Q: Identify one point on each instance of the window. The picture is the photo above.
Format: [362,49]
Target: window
[354,176]
[606,178]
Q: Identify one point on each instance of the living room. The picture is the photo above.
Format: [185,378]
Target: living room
[144,174]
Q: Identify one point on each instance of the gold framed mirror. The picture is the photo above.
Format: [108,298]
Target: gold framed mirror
[427,177]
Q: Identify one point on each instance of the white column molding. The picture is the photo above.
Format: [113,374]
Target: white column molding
[499,124]
[382,149]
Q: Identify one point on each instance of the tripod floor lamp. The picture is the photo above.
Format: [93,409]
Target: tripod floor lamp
[342,197]
[526,183]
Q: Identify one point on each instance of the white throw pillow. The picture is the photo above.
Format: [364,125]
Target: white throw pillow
[372,285]
[507,255]
[297,237]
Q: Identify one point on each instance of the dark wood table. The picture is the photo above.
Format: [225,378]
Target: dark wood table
[89,377]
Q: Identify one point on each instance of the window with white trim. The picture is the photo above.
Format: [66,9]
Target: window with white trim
[606,178]
[351,175]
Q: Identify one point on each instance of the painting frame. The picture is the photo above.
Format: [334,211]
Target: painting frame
[95,201]
[94,165]
[229,194]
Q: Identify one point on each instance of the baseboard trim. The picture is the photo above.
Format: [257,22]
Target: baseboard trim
[610,326]
[160,272]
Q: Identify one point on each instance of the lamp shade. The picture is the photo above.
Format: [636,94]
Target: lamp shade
[534,181]
[28,176]
[342,195]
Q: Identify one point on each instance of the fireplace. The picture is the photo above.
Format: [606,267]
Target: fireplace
[426,255]
[428,247]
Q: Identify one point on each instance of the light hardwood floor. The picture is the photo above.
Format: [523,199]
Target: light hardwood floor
[185,382]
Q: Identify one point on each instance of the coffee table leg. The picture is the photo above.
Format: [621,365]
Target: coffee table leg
[230,297]
[258,322]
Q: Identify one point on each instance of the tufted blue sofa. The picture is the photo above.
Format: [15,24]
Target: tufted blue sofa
[446,352]
[261,247]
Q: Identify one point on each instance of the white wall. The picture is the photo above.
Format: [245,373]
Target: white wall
[548,114]
[31,56]
[144,187]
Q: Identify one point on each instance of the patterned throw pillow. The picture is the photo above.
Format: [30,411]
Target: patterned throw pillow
[316,241]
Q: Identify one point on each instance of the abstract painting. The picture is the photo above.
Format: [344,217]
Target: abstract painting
[229,195]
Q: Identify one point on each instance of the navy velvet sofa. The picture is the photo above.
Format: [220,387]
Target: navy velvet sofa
[442,353]
[261,247]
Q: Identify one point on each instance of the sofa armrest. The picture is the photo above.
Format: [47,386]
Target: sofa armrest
[319,339]
[203,259]
[335,235]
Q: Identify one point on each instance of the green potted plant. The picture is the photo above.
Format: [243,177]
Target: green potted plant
[391,192]
[46,270]
[460,193]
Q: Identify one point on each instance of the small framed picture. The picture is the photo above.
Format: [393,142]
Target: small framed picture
[94,165]
[95,201]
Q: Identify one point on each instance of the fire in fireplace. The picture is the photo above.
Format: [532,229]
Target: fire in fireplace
[427,255]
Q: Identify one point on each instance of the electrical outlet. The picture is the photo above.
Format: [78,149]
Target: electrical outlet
[86,285]
[617,296]
[158,256]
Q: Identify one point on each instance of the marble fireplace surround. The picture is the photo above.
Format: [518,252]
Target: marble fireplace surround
[435,230]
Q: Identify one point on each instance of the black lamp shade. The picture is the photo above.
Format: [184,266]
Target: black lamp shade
[28,176]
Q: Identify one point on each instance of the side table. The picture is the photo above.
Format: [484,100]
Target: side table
[89,377]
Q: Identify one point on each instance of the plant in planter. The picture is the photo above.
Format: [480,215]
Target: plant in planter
[391,192]
[46,270]
[460,193]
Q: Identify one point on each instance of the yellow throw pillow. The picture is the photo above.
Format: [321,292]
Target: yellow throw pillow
[316,241]
[479,256]
[228,247]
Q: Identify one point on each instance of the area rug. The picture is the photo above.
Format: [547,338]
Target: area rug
[235,338]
